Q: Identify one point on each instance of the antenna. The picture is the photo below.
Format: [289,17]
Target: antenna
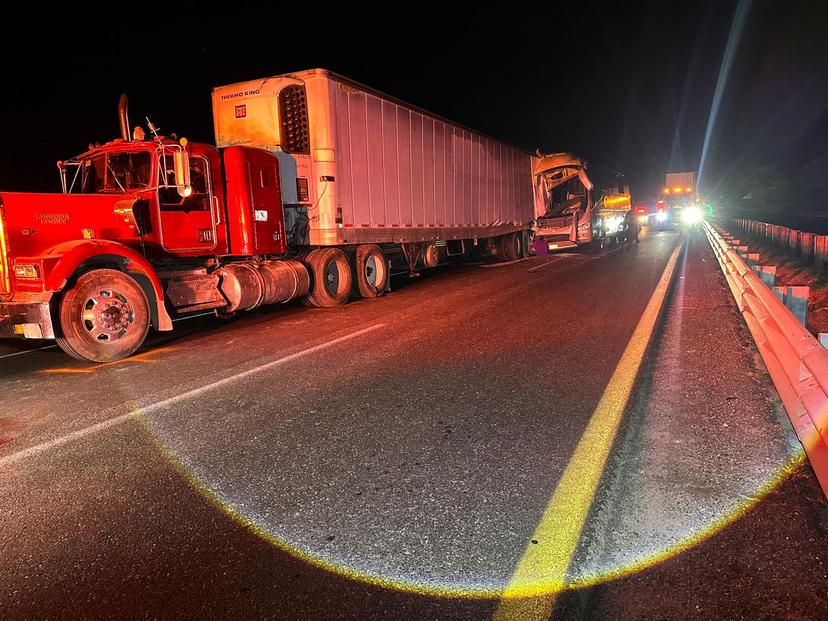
[152,127]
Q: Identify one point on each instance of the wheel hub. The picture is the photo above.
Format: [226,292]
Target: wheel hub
[332,278]
[107,315]
[371,271]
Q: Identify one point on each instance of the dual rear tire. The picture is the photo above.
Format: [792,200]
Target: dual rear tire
[509,247]
[336,276]
[370,271]
[330,278]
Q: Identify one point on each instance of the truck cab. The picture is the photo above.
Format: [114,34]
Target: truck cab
[563,203]
[179,217]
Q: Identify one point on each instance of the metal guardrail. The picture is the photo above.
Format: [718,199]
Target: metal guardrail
[805,244]
[797,362]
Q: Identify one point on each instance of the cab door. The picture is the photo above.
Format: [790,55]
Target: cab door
[188,224]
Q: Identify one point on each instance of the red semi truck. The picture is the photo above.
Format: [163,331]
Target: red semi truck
[316,183]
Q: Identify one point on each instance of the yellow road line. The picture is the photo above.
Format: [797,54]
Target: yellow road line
[541,573]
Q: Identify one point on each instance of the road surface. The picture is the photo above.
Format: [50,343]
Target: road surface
[420,455]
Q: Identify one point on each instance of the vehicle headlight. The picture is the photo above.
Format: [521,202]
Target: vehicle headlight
[26,271]
[661,216]
[691,215]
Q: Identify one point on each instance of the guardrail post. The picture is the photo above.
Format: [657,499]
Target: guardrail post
[793,241]
[796,300]
[767,274]
[741,250]
[820,250]
[806,244]
[751,258]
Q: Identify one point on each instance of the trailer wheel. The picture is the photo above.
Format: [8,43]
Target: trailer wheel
[330,277]
[104,317]
[517,245]
[526,244]
[510,247]
[370,271]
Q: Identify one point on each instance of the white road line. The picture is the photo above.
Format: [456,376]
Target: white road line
[501,263]
[117,420]
[28,351]
[596,257]
[557,259]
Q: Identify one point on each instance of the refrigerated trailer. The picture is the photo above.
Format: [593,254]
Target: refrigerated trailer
[315,183]
[359,166]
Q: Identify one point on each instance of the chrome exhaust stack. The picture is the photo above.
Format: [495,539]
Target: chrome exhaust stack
[123,118]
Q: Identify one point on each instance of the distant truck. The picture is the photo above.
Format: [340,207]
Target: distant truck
[678,198]
[679,189]
[316,183]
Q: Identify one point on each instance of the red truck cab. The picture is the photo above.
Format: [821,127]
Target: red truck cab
[146,218]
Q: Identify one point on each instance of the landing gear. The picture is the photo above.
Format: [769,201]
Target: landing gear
[330,278]
[104,317]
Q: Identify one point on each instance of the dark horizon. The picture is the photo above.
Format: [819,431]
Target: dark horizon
[628,88]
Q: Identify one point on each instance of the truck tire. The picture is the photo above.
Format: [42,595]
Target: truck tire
[500,247]
[103,317]
[370,271]
[526,244]
[511,247]
[330,277]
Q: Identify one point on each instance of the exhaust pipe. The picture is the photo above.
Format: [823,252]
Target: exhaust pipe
[123,118]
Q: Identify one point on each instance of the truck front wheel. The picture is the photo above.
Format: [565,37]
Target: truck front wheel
[104,317]
[330,277]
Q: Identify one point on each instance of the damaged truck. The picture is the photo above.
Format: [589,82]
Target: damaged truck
[569,212]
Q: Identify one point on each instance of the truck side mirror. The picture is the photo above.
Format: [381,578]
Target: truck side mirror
[62,168]
[181,162]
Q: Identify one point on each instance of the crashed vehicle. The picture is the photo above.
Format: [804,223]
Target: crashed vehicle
[568,213]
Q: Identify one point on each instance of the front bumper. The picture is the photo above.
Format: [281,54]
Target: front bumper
[28,320]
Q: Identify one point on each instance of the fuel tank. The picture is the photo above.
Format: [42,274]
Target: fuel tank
[247,285]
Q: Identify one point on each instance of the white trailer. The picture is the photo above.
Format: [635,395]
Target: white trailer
[360,167]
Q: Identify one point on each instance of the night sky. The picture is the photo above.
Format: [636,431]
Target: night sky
[629,86]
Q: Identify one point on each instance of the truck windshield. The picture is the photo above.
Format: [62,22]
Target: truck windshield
[115,172]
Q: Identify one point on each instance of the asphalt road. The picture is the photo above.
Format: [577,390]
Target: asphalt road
[394,458]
